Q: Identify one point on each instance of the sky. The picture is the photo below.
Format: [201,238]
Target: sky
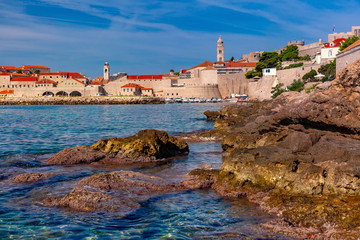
[154,36]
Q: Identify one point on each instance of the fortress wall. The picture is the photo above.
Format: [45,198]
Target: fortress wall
[39,91]
[261,90]
[233,83]
[206,91]
[208,77]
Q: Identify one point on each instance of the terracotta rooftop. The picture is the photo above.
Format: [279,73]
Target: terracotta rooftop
[24,79]
[53,73]
[46,81]
[8,67]
[132,85]
[32,66]
[3,73]
[146,88]
[7,92]
[204,64]
[335,43]
[357,43]
[158,76]
[239,64]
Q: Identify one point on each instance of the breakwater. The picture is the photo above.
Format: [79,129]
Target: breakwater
[81,100]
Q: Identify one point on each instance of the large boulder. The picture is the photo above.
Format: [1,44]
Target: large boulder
[147,146]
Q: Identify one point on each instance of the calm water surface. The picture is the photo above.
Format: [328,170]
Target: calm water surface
[30,134]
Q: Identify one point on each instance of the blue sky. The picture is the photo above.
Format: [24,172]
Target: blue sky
[151,37]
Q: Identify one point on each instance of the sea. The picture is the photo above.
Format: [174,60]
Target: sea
[31,134]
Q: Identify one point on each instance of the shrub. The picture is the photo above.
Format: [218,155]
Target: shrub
[310,76]
[277,90]
[295,65]
[297,85]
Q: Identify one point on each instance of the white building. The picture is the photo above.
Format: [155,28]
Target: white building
[269,72]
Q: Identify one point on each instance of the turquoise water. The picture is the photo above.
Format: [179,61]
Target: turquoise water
[30,134]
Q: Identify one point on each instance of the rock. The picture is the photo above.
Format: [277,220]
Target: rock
[302,152]
[129,181]
[212,115]
[145,147]
[118,191]
[30,177]
[85,200]
[76,155]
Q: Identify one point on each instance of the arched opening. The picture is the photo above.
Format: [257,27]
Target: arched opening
[62,93]
[48,94]
[75,94]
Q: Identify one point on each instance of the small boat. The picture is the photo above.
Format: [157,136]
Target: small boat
[191,100]
[208,100]
[202,100]
[178,100]
[185,100]
[197,100]
[214,100]
[169,100]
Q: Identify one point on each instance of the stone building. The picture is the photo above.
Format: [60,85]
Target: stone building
[355,31]
[207,79]
[220,50]
[348,56]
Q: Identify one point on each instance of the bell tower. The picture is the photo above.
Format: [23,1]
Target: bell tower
[220,50]
[106,72]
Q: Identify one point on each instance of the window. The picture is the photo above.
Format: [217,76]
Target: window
[330,53]
[124,90]
[220,51]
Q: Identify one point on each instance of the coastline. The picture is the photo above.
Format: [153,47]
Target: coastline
[80,100]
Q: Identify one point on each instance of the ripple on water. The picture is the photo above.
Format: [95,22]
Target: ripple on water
[29,132]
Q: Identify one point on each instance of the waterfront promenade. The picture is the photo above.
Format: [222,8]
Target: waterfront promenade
[80,100]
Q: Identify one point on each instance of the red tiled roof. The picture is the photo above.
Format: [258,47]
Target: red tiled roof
[337,43]
[3,73]
[26,67]
[183,71]
[25,79]
[146,88]
[96,83]
[78,81]
[19,74]
[51,74]
[46,81]
[7,92]
[158,76]
[132,85]
[239,64]
[204,64]
[357,43]
[8,67]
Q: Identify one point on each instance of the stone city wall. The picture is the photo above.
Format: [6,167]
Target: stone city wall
[348,57]
[233,83]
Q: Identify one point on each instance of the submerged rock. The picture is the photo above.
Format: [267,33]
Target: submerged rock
[114,191]
[30,177]
[147,146]
[212,115]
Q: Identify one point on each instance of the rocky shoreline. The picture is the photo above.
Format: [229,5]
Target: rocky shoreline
[298,157]
[80,100]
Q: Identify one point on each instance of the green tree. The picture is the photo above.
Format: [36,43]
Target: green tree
[253,73]
[290,53]
[328,69]
[297,85]
[348,42]
[232,58]
[19,71]
[267,60]
[310,76]
[37,71]
[277,90]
